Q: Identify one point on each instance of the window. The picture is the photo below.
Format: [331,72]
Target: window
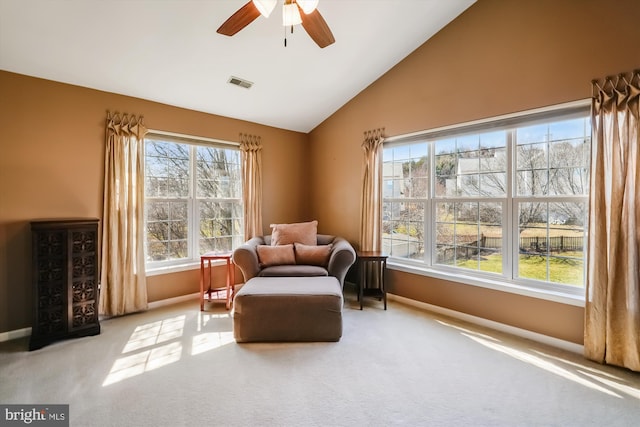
[504,199]
[193,199]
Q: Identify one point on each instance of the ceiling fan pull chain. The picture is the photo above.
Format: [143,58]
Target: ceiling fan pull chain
[285,35]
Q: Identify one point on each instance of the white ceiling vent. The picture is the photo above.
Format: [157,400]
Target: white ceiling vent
[240,82]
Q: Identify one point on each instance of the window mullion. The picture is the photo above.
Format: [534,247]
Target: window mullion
[429,208]
[508,239]
[194,212]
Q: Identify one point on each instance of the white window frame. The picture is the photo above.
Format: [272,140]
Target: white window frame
[192,261]
[509,280]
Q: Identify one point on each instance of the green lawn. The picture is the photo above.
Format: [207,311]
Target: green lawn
[491,263]
[561,270]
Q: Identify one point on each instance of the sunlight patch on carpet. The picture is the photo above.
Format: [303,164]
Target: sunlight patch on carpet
[206,318]
[144,361]
[623,388]
[144,336]
[615,382]
[580,366]
[541,363]
[210,341]
[155,333]
[468,331]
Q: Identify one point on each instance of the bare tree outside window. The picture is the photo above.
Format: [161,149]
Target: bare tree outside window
[219,178]
[406,185]
[472,193]
[552,186]
[473,168]
[167,190]
[186,182]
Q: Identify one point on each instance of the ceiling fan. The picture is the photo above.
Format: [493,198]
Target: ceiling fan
[294,12]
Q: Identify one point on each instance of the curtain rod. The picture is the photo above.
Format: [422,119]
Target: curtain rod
[193,138]
[466,125]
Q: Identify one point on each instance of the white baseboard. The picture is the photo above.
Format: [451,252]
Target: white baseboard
[174,300]
[523,333]
[12,335]
[555,342]
[25,332]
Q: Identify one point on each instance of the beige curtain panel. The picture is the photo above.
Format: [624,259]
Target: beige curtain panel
[371,197]
[123,283]
[251,149]
[612,311]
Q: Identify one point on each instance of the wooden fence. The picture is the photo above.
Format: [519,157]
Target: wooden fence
[556,244]
[528,245]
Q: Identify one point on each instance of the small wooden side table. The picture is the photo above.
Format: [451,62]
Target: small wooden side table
[378,261]
[206,276]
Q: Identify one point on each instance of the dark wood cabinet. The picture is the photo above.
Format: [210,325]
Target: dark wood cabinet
[65,276]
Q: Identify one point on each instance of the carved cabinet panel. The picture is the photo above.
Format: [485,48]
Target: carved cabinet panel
[65,280]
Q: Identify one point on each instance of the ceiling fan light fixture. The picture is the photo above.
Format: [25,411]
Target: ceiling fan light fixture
[307,6]
[291,14]
[265,7]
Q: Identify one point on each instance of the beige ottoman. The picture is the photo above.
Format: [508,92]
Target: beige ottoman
[288,309]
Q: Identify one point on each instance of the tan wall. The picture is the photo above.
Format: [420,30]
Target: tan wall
[499,57]
[52,161]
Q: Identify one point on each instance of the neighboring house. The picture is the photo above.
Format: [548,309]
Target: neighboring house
[482,175]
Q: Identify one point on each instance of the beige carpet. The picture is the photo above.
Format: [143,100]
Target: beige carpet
[176,366]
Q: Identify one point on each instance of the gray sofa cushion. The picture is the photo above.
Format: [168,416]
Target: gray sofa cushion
[342,257]
[293,270]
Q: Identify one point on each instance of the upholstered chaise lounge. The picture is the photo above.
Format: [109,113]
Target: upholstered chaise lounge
[341,256]
[293,289]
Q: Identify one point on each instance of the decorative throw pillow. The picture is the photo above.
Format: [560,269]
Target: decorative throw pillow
[300,232]
[312,255]
[275,255]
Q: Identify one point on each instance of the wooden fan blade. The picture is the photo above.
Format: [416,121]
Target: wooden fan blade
[243,17]
[317,28]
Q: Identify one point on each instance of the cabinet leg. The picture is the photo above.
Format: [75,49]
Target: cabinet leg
[361,283]
[201,285]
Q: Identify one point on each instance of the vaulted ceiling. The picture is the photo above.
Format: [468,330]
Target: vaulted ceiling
[168,51]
